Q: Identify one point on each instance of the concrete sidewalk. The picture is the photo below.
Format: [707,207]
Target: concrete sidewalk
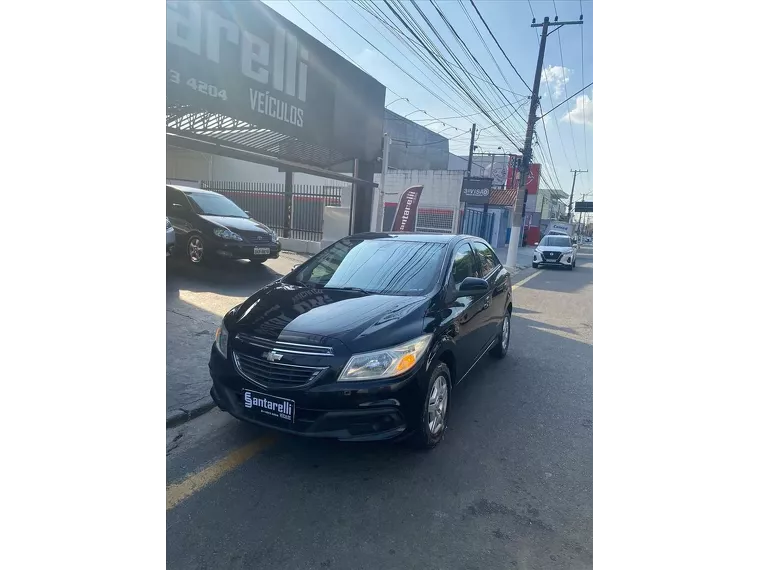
[524,257]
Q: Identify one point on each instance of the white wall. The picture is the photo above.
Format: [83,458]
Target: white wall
[442,188]
[192,165]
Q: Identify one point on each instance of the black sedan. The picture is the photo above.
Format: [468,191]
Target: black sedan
[365,340]
[209,225]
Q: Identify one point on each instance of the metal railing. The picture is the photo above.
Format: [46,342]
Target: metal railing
[266,203]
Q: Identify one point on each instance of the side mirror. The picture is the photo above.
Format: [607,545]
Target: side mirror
[296,267]
[248,213]
[535,244]
[472,286]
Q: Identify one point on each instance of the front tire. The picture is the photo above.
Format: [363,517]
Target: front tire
[501,347]
[196,250]
[534,265]
[434,415]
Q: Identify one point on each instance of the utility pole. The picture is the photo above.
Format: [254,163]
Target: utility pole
[519,207]
[572,193]
[468,173]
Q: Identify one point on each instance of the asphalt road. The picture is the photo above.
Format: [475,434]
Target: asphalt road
[511,485]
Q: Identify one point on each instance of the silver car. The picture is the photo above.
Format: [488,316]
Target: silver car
[171,239]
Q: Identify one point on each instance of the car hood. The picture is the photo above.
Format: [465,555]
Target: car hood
[361,322]
[234,224]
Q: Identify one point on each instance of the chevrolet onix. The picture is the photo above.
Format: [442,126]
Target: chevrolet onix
[365,340]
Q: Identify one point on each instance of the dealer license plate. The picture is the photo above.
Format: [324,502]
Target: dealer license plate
[272,406]
[261,251]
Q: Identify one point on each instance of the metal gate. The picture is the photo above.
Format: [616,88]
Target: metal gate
[266,203]
[472,224]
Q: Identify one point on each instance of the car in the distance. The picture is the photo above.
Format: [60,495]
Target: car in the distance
[556,250]
[365,340]
[209,225]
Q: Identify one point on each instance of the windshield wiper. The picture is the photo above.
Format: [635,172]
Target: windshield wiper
[357,289]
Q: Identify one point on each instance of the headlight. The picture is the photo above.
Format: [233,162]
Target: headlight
[222,338]
[385,363]
[224,233]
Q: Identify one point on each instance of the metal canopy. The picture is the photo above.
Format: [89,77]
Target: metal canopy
[195,129]
[212,128]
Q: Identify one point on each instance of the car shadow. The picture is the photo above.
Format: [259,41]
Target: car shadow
[225,277]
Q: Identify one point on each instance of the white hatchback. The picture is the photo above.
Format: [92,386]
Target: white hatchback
[555,250]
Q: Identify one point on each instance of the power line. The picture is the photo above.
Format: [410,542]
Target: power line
[499,45]
[429,49]
[358,64]
[567,99]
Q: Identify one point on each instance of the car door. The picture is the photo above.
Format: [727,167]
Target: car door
[496,276]
[466,311]
[179,212]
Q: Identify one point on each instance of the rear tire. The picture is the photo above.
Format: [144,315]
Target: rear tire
[501,347]
[433,419]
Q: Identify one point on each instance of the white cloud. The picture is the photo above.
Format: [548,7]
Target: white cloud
[555,77]
[575,115]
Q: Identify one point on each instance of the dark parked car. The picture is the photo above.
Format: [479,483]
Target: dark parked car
[366,339]
[208,225]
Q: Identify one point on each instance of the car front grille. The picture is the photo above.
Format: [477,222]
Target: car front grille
[273,374]
[255,237]
[552,255]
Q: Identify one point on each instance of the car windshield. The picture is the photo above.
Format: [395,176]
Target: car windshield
[556,241]
[215,205]
[388,267]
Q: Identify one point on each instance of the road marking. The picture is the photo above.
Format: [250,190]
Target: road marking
[178,492]
[525,280]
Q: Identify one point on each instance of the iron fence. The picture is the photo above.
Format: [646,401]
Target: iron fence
[434,219]
[266,203]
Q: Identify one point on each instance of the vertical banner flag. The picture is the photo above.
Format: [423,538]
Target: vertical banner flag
[405,215]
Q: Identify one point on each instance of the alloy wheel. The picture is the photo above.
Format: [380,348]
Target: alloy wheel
[437,405]
[195,249]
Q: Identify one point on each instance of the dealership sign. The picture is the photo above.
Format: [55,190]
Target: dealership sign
[405,215]
[476,190]
[244,60]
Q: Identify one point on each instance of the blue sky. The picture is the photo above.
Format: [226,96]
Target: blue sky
[569,132]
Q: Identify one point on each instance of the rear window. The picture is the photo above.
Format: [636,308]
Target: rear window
[556,241]
[377,266]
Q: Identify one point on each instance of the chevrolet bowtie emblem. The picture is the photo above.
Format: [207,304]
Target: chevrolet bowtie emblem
[272,356]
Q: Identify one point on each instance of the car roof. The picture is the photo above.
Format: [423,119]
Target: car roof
[189,189]
[413,236]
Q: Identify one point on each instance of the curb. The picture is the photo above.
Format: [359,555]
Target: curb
[179,417]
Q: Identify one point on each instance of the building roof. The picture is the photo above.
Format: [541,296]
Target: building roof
[503,197]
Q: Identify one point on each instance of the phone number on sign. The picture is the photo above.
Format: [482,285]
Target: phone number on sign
[200,86]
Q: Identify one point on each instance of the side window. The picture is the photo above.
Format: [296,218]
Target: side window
[463,264]
[175,197]
[488,259]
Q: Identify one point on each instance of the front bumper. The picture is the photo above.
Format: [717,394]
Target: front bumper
[355,411]
[564,259]
[239,250]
